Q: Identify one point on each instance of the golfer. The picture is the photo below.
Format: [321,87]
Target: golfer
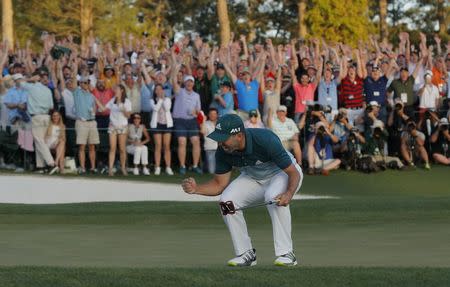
[268,173]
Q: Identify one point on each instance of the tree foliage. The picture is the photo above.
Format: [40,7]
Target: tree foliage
[340,20]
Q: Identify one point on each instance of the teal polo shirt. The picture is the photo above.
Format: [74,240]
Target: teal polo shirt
[263,157]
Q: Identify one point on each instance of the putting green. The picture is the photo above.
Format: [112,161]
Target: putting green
[390,219]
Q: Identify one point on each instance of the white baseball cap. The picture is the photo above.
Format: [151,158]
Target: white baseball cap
[282,108]
[374,104]
[443,121]
[377,124]
[18,76]
[319,124]
[188,78]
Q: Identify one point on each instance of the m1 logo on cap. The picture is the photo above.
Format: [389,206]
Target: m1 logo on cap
[218,127]
[235,130]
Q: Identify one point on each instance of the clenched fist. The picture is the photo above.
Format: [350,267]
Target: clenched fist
[189,185]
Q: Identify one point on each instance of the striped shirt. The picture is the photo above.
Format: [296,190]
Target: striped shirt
[351,93]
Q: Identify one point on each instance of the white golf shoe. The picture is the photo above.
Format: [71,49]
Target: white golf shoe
[135,171]
[145,171]
[157,170]
[287,260]
[169,171]
[248,258]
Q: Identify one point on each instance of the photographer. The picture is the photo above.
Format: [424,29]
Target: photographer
[375,145]
[341,128]
[440,140]
[320,152]
[395,126]
[314,114]
[412,141]
[371,115]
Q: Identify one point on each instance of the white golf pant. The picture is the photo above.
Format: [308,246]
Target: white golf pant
[245,191]
[140,154]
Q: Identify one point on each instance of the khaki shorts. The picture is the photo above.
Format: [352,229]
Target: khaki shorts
[87,132]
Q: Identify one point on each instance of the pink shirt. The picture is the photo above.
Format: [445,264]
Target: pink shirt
[303,94]
[103,97]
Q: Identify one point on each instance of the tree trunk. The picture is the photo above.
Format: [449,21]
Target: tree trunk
[251,8]
[301,18]
[383,23]
[86,21]
[224,21]
[7,22]
[442,17]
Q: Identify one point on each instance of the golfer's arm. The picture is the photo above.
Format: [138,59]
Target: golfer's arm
[215,186]
[293,179]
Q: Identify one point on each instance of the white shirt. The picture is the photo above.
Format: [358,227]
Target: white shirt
[53,138]
[429,96]
[69,104]
[419,80]
[209,143]
[116,117]
[284,130]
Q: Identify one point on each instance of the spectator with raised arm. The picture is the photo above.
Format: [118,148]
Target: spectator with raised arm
[223,100]
[85,125]
[247,89]
[185,111]
[162,127]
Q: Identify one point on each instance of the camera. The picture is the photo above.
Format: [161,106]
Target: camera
[57,52]
[411,126]
[443,127]
[377,132]
[398,106]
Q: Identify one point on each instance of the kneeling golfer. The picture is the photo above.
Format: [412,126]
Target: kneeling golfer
[268,174]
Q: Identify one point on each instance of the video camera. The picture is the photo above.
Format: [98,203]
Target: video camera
[57,52]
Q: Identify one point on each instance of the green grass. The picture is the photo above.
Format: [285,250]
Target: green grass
[386,229]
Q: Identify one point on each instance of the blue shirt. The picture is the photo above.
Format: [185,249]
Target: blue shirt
[263,157]
[40,99]
[376,90]
[229,102]
[84,104]
[185,103]
[328,94]
[146,96]
[247,95]
[324,144]
[16,96]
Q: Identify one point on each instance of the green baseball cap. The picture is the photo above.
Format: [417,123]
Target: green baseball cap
[227,126]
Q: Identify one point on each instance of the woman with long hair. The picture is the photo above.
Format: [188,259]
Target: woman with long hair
[55,139]
[161,125]
[138,137]
[120,110]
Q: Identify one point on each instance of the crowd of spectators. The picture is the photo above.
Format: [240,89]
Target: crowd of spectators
[368,108]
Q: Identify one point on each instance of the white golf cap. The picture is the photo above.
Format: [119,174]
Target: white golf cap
[282,108]
[428,72]
[443,121]
[374,104]
[377,124]
[319,124]
[188,78]
[16,77]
